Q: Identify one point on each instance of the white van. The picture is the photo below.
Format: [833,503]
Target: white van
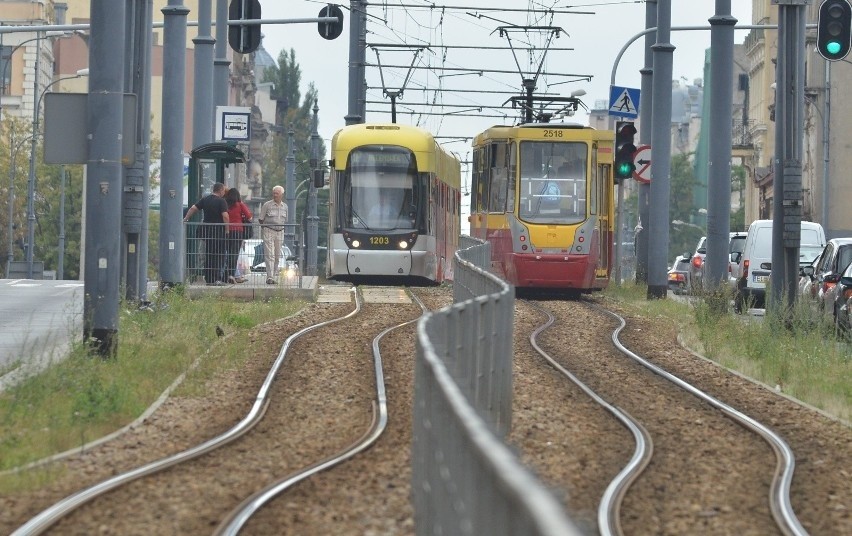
[755,262]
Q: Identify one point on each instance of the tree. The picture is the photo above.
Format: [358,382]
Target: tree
[684,236]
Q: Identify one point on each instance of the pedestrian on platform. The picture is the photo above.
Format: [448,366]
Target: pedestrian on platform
[272,218]
[213,232]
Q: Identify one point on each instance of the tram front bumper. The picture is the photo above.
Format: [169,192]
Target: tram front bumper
[551,270]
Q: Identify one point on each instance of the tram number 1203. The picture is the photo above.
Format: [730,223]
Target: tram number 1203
[379,240]
[548,133]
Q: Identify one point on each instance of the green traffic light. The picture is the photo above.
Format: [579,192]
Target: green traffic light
[832,47]
[624,169]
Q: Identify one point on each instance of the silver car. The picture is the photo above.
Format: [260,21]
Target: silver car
[819,279]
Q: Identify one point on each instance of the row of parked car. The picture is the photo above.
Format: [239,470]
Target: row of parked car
[825,270]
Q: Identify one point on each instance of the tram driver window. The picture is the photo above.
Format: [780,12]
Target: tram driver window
[553,182]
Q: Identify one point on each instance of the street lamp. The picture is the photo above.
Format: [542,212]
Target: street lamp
[31,181]
[15,49]
[13,156]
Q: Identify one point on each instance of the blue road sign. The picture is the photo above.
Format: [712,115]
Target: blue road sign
[624,102]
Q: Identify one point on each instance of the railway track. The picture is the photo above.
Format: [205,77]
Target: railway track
[707,474]
[667,426]
[343,413]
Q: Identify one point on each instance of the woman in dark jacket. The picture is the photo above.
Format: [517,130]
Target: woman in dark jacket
[239,228]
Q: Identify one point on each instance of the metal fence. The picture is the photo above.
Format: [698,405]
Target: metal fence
[213,259]
[465,480]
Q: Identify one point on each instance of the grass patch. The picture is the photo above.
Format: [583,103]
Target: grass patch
[798,354]
[85,397]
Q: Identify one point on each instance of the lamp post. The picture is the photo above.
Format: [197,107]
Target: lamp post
[12,53]
[31,181]
[13,156]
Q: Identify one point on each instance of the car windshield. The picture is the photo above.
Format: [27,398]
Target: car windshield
[737,244]
[808,253]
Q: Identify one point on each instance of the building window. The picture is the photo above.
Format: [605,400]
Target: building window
[5,69]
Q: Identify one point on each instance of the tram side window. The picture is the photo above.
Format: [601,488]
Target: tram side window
[479,202]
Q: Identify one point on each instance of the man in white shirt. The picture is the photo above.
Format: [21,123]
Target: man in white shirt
[273,216]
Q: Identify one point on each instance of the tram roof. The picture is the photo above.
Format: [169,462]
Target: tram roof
[430,155]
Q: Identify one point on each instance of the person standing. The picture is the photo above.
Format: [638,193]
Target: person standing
[213,232]
[240,222]
[272,217]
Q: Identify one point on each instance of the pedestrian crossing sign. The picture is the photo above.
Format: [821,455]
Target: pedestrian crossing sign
[624,102]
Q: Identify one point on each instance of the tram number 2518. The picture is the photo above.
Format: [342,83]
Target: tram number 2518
[548,133]
[379,240]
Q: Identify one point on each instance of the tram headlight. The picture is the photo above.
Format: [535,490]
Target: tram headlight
[403,244]
[356,243]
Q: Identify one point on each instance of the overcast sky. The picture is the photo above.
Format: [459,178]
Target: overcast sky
[595,37]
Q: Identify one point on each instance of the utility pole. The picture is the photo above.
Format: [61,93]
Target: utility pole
[357,58]
[719,172]
[172,241]
[290,190]
[661,140]
[787,184]
[103,188]
[313,220]
[643,192]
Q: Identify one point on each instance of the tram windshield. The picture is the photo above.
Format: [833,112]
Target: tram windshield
[553,182]
[380,187]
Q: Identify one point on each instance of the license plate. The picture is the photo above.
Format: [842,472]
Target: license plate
[760,278]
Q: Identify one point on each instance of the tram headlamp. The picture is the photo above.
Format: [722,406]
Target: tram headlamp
[403,244]
[356,243]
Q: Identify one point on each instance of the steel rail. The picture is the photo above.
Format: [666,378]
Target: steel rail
[609,508]
[238,517]
[51,515]
[779,491]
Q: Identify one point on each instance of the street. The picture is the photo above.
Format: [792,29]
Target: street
[40,319]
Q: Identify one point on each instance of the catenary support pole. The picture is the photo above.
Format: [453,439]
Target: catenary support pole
[290,189]
[312,237]
[719,172]
[136,184]
[202,111]
[787,183]
[658,224]
[354,113]
[643,192]
[103,185]
[221,65]
[172,244]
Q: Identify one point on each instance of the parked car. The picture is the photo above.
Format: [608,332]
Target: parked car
[842,305]
[678,275]
[736,244]
[251,259]
[818,281]
[755,263]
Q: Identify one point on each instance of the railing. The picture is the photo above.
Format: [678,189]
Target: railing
[212,259]
[741,135]
[465,480]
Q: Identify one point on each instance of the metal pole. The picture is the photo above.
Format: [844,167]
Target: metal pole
[354,115]
[719,172]
[658,221]
[826,150]
[643,192]
[221,64]
[60,260]
[787,182]
[171,247]
[313,221]
[31,181]
[103,187]
[290,189]
[202,112]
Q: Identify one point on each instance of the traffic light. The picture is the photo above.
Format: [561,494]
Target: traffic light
[244,38]
[833,30]
[624,149]
[331,30]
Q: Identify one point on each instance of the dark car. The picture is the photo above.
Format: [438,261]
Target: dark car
[818,280]
[843,303]
[678,274]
